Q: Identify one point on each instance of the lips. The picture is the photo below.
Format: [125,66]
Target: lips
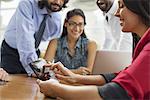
[55,6]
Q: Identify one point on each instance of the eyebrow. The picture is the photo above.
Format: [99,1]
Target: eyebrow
[75,22]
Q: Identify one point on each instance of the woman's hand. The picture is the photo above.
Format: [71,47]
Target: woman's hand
[63,74]
[59,67]
[3,74]
[83,71]
[48,87]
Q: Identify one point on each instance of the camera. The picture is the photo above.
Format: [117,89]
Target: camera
[42,72]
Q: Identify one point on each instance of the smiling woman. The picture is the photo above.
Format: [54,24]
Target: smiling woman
[73,48]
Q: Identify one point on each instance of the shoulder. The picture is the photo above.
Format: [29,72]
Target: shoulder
[147,47]
[54,41]
[26,4]
[92,44]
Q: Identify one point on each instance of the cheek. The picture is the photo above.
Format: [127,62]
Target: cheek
[130,23]
[68,29]
[81,31]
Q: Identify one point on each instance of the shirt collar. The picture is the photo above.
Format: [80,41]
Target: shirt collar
[114,8]
[78,42]
[65,43]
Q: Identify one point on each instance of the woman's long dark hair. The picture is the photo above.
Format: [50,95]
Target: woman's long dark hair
[141,8]
[135,39]
[43,3]
[70,14]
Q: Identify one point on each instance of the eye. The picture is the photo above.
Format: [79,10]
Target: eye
[72,23]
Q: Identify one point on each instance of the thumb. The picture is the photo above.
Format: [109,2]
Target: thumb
[39,81]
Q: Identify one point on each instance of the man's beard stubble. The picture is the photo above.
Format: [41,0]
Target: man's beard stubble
[51,8]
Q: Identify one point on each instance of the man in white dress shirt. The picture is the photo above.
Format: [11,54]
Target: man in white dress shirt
[115,39]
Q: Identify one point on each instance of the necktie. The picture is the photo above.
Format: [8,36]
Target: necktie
[38,35]
[106,18]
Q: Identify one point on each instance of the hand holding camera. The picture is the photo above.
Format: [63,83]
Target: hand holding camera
[42,72]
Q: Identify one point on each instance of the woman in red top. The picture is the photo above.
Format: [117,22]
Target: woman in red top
[130,83]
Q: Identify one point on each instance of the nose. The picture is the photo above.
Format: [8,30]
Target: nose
[58,1]
[117,14]
[77,28]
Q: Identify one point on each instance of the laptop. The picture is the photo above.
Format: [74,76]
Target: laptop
[111,61]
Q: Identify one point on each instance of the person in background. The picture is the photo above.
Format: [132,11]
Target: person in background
[73,48]
[131,83]
[115,39]
[3,74]
[33,21]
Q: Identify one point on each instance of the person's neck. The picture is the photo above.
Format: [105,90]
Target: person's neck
[49,11]
[141,30]
[71,41]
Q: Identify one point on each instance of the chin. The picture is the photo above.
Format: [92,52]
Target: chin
[125,30]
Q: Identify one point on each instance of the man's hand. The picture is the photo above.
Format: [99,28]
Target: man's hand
[3,74]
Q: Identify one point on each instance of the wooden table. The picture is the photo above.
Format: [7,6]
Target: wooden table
[21,87]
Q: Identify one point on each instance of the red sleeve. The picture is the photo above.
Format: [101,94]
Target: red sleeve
[136,78]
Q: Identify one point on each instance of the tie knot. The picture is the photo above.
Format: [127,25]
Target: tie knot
[46,16]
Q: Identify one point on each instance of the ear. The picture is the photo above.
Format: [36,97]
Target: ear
[65,23]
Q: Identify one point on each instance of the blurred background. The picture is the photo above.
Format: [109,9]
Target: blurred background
[94,28]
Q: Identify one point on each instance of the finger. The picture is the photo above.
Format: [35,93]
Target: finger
[38,81]
[61,77]
[48,65]
[86,70]
[66,78]
[58,72]
[5,76]
[1,75]
[60,67]
[57,65]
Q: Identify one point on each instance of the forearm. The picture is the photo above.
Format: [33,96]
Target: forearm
[77,92]
[90,79]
